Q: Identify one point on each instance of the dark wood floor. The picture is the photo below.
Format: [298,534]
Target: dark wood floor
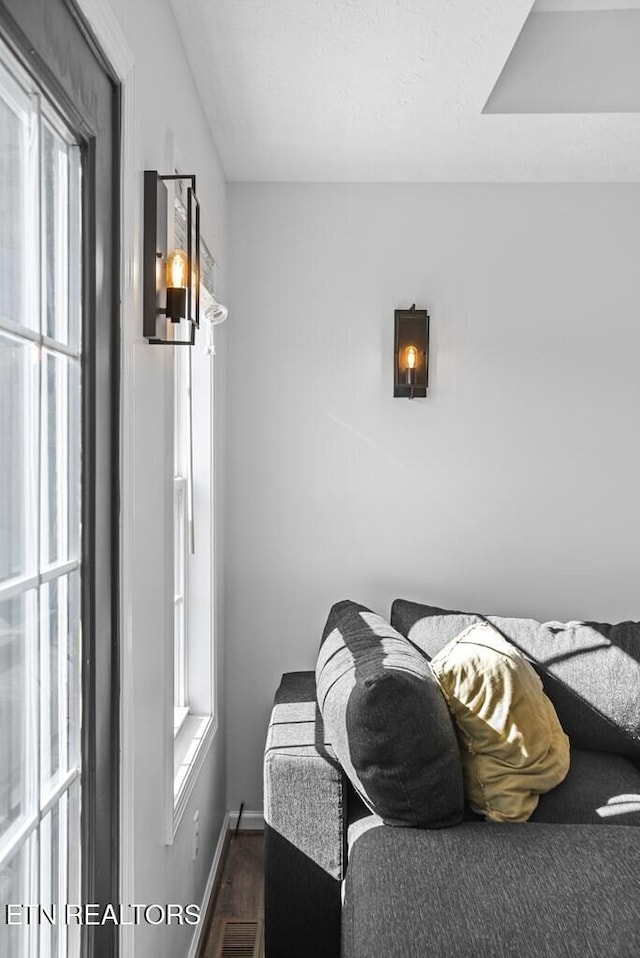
[241,890]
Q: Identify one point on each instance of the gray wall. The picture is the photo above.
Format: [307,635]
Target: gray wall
[512,489]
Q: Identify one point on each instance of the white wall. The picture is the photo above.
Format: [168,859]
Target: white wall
[512,489]
[166,102]
[572,61]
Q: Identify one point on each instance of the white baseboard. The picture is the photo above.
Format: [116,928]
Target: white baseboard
[201,928]
[250,821]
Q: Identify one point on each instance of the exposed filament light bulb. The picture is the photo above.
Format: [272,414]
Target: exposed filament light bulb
[177,269]
[177,274]
[411,357]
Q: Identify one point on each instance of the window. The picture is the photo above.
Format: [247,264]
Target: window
[182,441]
[59,249]
[193,650]
[41,567]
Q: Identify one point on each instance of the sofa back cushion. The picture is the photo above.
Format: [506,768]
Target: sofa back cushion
[387,721]
[589,670]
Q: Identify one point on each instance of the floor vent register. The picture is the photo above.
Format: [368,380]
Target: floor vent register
[240,939]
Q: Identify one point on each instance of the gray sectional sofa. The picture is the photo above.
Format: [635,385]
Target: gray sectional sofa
[566,883]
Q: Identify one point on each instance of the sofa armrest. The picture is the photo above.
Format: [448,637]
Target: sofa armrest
[305,827]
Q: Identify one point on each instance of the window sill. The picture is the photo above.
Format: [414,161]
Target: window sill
[191,745]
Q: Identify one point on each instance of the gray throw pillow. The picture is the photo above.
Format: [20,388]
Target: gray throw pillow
[387,720]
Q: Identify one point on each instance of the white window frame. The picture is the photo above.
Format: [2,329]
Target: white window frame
[181,534]
[45,792]
[180,612]
[191,648]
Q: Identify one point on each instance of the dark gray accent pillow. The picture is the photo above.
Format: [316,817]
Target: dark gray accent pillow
[387,720]
[589,670]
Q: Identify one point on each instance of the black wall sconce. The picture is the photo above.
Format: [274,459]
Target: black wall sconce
[411,353]
[171,281]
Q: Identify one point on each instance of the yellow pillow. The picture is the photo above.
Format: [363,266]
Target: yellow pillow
[511,742]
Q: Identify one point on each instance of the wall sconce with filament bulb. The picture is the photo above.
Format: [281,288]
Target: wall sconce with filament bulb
[411,353]
[171,296]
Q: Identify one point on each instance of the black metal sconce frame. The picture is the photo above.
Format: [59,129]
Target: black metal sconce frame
[154,257]
[411,353]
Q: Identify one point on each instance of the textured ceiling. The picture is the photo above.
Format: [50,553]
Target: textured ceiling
[386,90]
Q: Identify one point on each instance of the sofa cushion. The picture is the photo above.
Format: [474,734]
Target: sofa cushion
[590,670]
[599,789]
[493,891]
[512,745]
[387,720]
